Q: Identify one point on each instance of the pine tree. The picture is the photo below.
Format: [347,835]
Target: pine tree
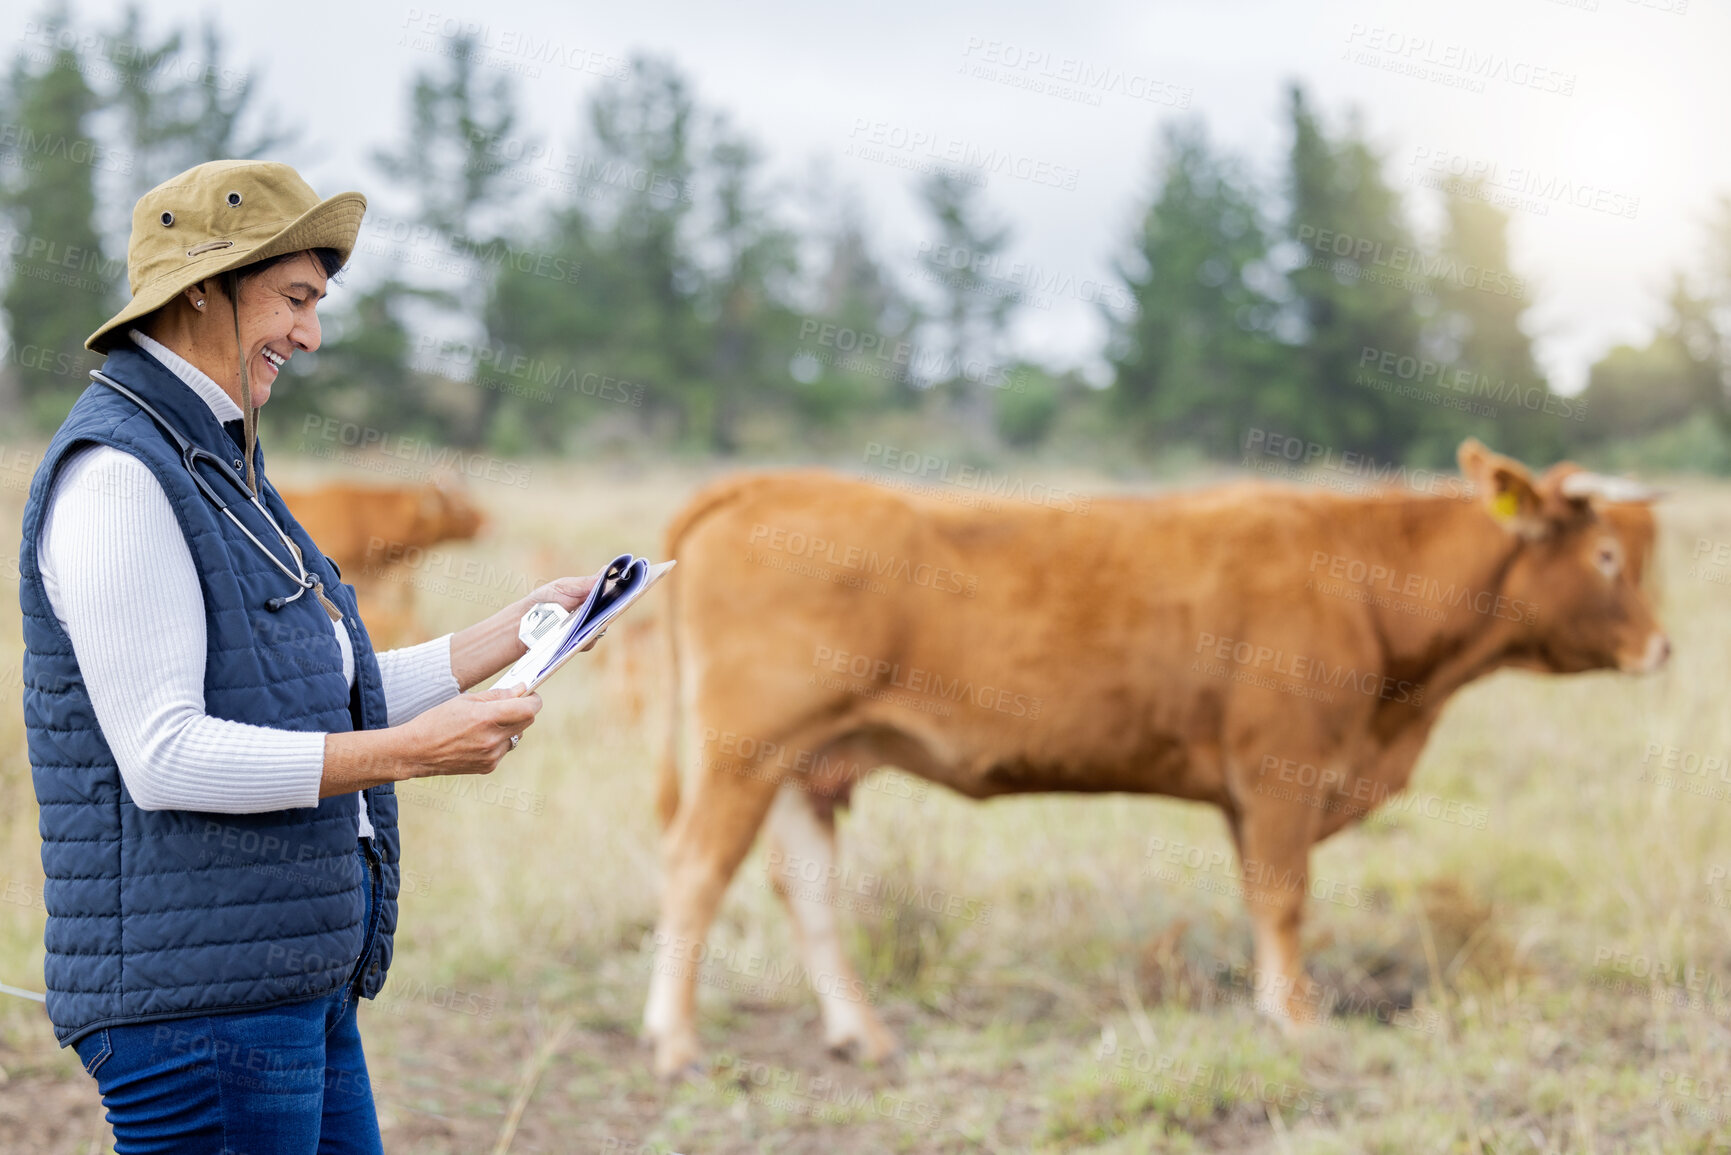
[976,299]
[1483,307]
[1356,290]
[1196,361]
[462,166]
[60,287]
[174,106]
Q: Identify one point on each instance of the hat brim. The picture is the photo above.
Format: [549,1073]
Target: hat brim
[333,223]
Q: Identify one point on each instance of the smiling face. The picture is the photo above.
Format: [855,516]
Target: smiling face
[278,318]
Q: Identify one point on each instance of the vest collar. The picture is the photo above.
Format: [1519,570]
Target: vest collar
[177,401]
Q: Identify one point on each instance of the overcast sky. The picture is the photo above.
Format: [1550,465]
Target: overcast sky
[1619,105]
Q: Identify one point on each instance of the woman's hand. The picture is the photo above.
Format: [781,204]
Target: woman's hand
[569,592]
[491,644]
[467,735]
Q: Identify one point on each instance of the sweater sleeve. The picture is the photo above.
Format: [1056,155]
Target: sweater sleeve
[417,678]
[120,578]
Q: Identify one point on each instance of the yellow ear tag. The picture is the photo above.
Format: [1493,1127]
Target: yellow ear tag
[1505,505]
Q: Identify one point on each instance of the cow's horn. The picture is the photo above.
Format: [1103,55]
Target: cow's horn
[1584,484]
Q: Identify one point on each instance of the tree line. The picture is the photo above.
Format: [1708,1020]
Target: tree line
[649,283]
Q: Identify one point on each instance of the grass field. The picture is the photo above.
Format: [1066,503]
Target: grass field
[1534,954]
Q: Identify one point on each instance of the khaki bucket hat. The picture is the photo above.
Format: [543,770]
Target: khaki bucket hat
[219,216]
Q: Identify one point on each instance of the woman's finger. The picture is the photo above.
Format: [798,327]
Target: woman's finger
[575,588]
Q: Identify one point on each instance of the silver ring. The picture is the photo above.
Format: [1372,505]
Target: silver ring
[515,738]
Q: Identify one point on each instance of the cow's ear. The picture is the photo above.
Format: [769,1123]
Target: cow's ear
[1504,488]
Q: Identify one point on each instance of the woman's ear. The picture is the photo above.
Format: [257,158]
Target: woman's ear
[197,297]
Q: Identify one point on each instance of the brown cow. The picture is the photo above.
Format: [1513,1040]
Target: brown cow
[371,532]
[1185,645]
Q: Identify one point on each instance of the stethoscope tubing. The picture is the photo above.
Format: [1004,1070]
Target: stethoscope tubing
[190,456]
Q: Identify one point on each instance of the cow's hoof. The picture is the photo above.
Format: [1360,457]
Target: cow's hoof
[1294,1014]
[678,1058]
[872,1045]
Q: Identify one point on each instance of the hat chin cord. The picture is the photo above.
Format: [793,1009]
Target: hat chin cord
[249,424]
[249,415]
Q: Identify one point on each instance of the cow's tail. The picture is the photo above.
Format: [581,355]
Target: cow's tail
[704,503]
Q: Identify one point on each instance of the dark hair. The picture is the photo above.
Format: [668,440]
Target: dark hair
[328,259]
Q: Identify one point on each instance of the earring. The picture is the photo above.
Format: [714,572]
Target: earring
[199,303]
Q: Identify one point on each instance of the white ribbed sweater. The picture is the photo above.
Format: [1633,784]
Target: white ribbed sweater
[120,578]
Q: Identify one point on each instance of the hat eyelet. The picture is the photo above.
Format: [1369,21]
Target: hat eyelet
[233,199]
[167,219]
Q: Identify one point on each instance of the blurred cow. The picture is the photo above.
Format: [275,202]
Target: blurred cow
[375,535]
[1199,645]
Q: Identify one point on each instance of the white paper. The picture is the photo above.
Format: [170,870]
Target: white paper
[555,636]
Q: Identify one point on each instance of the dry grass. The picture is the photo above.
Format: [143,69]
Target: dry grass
[1486,1001]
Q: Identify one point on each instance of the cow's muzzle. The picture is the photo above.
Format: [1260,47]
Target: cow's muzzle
[1652,658]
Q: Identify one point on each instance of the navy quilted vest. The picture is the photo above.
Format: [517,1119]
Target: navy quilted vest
[166,913]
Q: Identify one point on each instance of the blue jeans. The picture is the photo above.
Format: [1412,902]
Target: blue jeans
[290,1079]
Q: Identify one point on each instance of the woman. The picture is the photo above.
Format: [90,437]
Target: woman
[213,741]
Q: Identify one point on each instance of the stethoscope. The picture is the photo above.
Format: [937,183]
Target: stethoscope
[192,456]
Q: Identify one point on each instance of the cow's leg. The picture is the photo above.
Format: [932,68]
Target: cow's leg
[801,834]
[708,839]
[1274,840]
